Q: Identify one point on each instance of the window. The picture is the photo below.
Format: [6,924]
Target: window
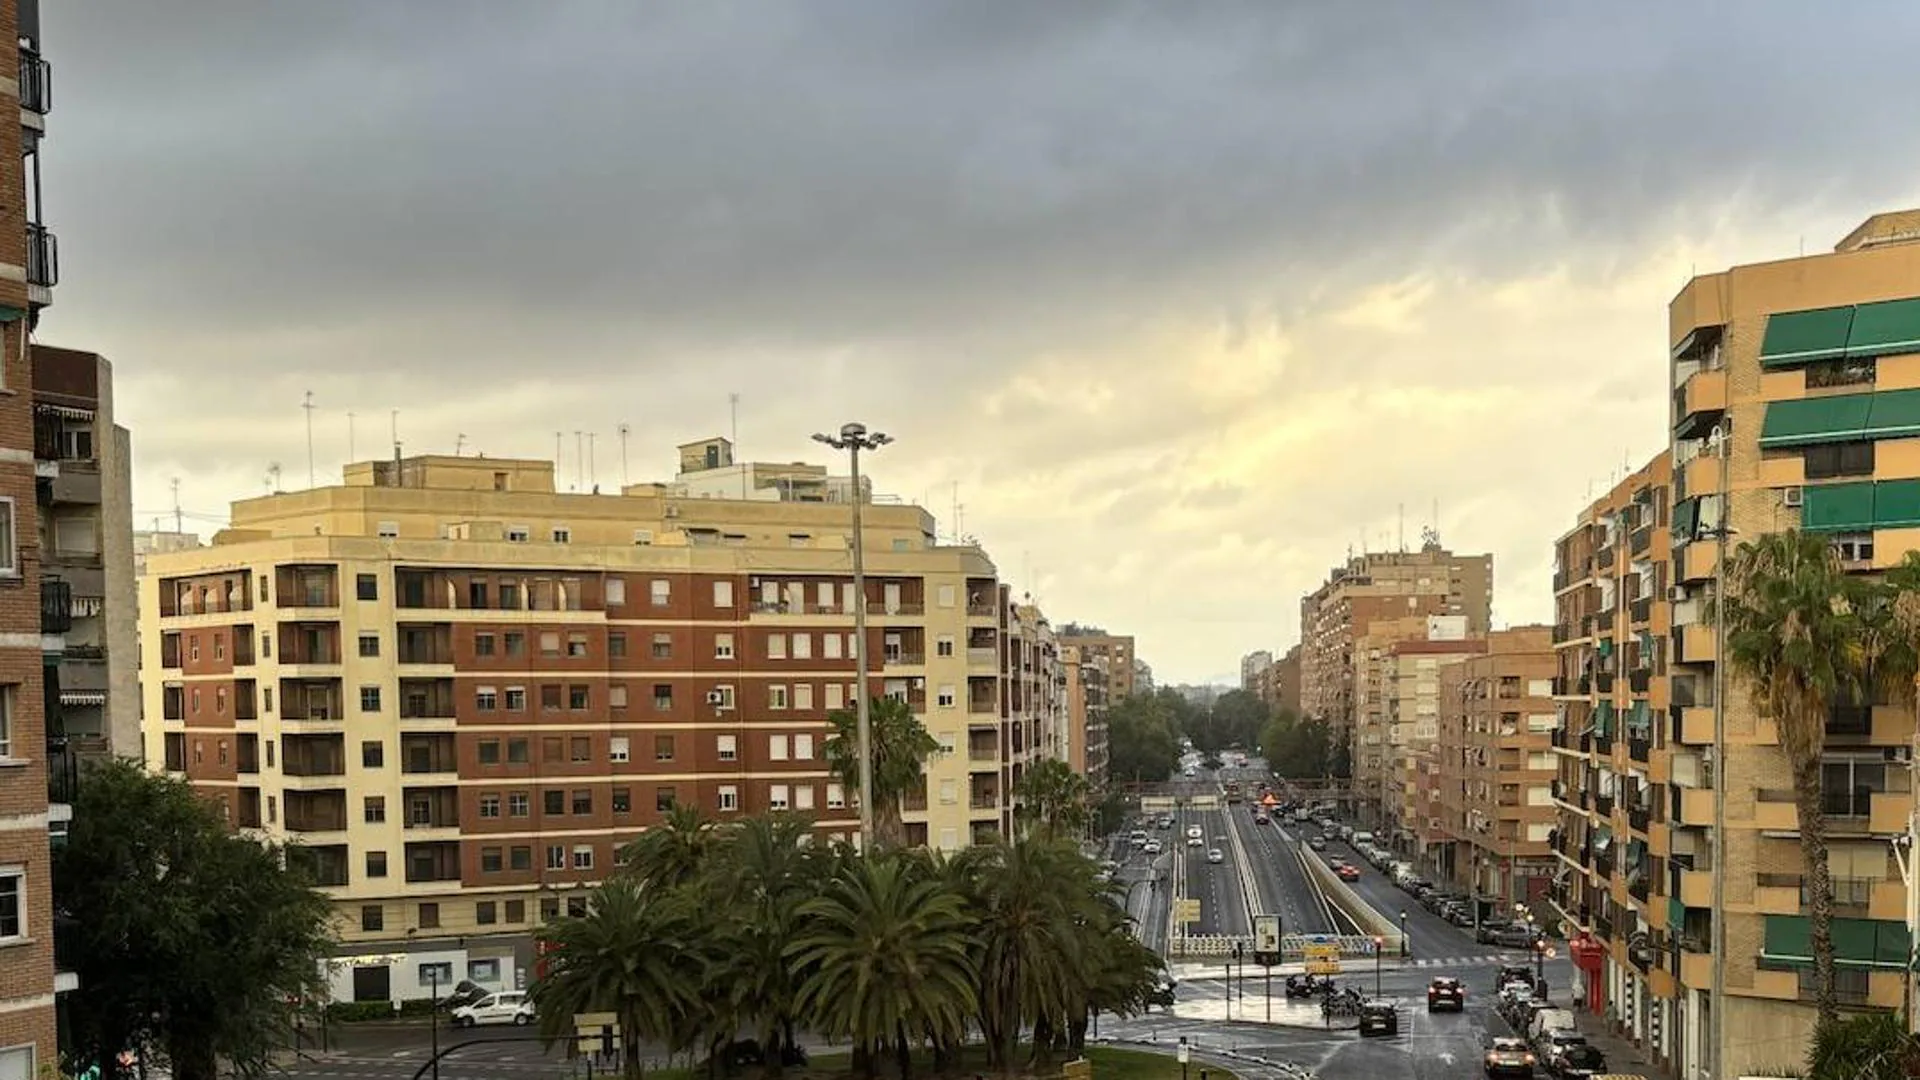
[947,696]
[576,645]
[515,643]
[562,535]
[723,646]
[662,697]
[578,697]
[836,797]
[835,694]
[13,903]
[617,695]
[776,646]
[729,797]
[776,697]
[803,748]
[516,910]
[803,646]
[489,751]
[483,971]
[376,864]
[616,591]
[489,806]
[622,800]
[516,699]
[660,591]
[369,699]
[803,695]
[583,802]
[435,974]
[722,697]
[830,646]
[520,857]
[369,644]
[943,645]
[663,646]
[429,916]
[776,748]
[519,534]
[491,860]
[949,793]
[552,749]
[583,857]
[1839,459]
[777,797]
[580,749]
[723,594]
[375,809]
[373,754]
[387,530]
[219,646]
[484,912]
[483,644]
[518,805]
[1853,547]
[618,748]
[616,644]
[549,908]
[727,746]
[550,697]
[518,752]
[477,595]
[485,699]
[663,748]
[823,595]
[6,723]
[553,803]
[366,586]
[556,857]
[373,918]
[550,644]
[663,800]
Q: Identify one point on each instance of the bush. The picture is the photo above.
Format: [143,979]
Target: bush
[416,1007]
[351,1011]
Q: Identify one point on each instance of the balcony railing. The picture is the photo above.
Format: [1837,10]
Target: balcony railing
[904,657]
[1562,632]
[43,256]
[1603,864]
[63,770]
[1639,749]
[56,606]
[1850,720]
[36,83]
[1641,610]
[1604,558]
[1603,804]
[1603,744]
[1639,817]
[1603,681]
[1639,679]
[1641,539]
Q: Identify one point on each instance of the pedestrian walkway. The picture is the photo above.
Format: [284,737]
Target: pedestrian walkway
[1622,1055]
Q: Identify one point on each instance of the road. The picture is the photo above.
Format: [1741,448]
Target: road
[1428,935]
[1223,906]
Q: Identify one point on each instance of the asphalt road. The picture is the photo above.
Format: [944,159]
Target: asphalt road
[1283,883]
[1223,907]
[1429,934]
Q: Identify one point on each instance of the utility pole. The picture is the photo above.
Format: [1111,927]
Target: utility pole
[625,430]
[177,525]
[1719,845]
[854,438]
[593,471]
[307,407]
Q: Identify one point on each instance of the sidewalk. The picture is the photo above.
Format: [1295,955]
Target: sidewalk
[1622,1056]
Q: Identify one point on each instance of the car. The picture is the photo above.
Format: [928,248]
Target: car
[1488,930]
[1511,974]
[1194,841]
[1516,936]
[1260,818]
[1509,1058]
[1153,847]
[1215,856]
[1378,1018]
[1579,1061]
[505,1007]
[1317,843]
[1446,993]
[1195,832]
[1550,1044]
[1348,872]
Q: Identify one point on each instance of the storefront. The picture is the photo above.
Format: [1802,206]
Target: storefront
[414,971]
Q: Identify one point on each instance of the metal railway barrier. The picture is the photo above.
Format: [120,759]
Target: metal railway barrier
[1293,947]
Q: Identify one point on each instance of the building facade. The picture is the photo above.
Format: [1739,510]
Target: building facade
[458,693]
[36,774]
[1114,654]
[83,461]
[1496,767]
[1253,667]
[1414,668]
[1086,714]
[1789,383]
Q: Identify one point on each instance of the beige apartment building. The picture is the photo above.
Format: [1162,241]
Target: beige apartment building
[1086,714]
[457,692]
[1415,672]
[1496,768]
[1115,655]
[1793,387]
[1373,587]
[1627,854]
[1395,708]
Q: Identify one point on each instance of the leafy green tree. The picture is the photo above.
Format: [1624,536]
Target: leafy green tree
[1871,1046]
[187,938]
[885,953]
[1236,718]
[1295,747]
[640,953]
[1054,801]
[901,747]
[1143,741]
[1794,634]
[673,853]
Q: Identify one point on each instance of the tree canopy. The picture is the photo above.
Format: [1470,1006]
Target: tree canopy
[188,940]
[1143,735]
[1296,747]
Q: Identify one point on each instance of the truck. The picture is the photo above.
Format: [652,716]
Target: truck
[1233,791]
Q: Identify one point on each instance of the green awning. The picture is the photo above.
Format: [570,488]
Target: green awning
[1837,507]
[1896,504]
[1856,942]
[1886,328]
[1801,337]
[11,314]
[1807,421]
[1893,414]
[1686,519]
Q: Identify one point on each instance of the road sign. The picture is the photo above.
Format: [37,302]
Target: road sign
[1322,952]
[1323,967]
[1266,939]
[1187,910]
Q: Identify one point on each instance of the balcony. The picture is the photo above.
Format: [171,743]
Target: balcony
[1603,681]
[426,699]
[310,699]
[313,756]
[36,83]
[1603,743]
[902,658]
[423,755]
[1604,558]
[437,860]
[424,643]
[1641,610]
[316,811]
[309,643]
[302,586]
[43,256]
[1638,680]
[56,606]
[1603,863]
[1640,540]
[1639,818]
[432,808]
[323,865]
[1639,749]
[1603,805]
[983,751]
[1702,396]
[63,771]
[1850,722]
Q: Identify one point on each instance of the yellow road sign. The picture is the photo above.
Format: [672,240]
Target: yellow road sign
[1323,967]
[1187,910]
[1322,952]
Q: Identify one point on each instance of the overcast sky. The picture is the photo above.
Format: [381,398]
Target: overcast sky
[1188,299]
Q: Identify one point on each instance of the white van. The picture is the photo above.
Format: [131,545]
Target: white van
[1360,838]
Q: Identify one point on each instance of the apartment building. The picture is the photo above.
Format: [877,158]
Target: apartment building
[1496,767]
[1086,689]
[36,780]
[1252,667]
[1412,734]
[1622,846]
[83,462]
[1370,588]
[457,692]
[1790,383]
[1284,684]
[1114,653]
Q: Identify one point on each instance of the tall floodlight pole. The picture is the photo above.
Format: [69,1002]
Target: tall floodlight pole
[854,438]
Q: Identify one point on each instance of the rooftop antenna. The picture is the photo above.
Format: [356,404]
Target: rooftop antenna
[593,471]
[959,518]
[273,477]
[307,406]
[625,430]
[556,451]
[459,443]
[733,437]
[393,421]
[350,453]
[579,458]
[1403,528]
[956,511]
[177,526]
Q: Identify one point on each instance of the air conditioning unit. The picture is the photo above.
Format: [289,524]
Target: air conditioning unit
[753,582]
[1792,496]
[716,698]
[1676,594]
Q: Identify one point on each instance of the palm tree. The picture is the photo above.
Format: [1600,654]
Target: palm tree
[639,954]
[1794,633]
[901,747]
[672,853]
[1053,799]
[884,959]
[761,875]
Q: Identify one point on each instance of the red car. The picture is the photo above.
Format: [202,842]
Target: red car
[1348,872]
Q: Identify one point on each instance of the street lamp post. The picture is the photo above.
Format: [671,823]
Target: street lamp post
[854,438]
[433,1017]
[1379,946]
[1405,945]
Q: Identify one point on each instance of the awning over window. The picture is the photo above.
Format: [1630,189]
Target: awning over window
[1893,414]
[1896,504]
[1886,328]
[1802,337]
[1856,942]
[1837,508]
[1809,421]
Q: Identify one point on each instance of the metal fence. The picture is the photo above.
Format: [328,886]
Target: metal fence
[1293,947]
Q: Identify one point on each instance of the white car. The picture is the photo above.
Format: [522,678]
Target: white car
[1152,848]
[505,1007]
[1194,841]
[1194,832]
[1215,856]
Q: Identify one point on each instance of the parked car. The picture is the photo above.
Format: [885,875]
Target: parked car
[1216,857]
[1509,1058]
[1446,993]
[1488,931]
[1512,973]
[466,993]
[1378,1018]
[505,1007]
[1317,843]
[1153,847]
[1579,1061]
[1515,936]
